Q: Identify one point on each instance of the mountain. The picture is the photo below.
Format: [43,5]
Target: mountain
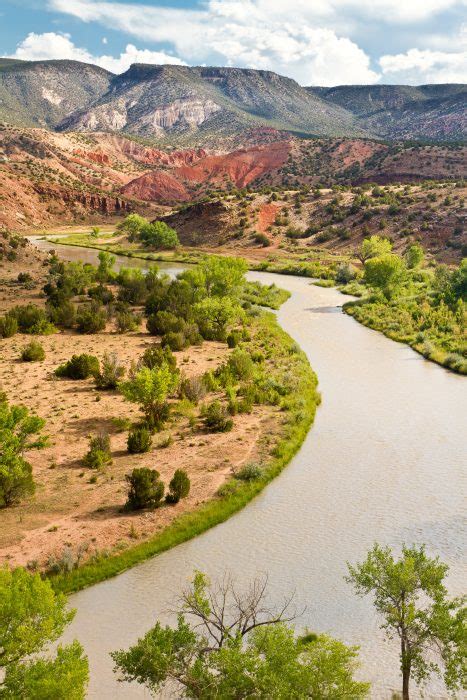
[43,93]
[432,112]
[172,100]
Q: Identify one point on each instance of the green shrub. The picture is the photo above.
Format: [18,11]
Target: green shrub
[156,356]
[91,319]
[101,293]
[175,341]
[179,486]
[249,472]
[31,319]
[345,273]
[127,321]
[216,418]
[63,315]
[234,338]
[33,352]
[79,367]
[164,322]
[139,441]
[262,240]
[8,326]
[110,374]
[99,452]
[145,490]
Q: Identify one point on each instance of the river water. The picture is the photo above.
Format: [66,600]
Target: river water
[385,461]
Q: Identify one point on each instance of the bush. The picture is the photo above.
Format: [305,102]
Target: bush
[262,240]
[156,355]
[79,367]
[63,315]
[345,273]
[164,322]
[216,419]
[159,235]
[249,472]
[31,319]
[101,293]
[234,338]
[139,441]
[175,341]
[91,319]
[99,452]
[8,326]
[179,487]
[127,321]
[110,374]
[193,389]
[145,489]
[33,352]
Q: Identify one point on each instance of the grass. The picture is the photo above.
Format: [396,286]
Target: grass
[298,408]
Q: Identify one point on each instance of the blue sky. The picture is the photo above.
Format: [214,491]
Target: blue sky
[316,42]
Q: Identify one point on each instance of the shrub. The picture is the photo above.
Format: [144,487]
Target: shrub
[110,373]
[31,319]
[234,338]
[101,293]
[249,472]
[91,319]
[262,240]
[216,419]
[8,326]
[150,388]
[127,321]
[156,355]
[193,389]
[175,341]
[63,315]
[164,322]
[79,367]
[139,441]
[345,273]
[179,486]
[99,452]
[145,490]
[24,278]
[33,352]
[159,235]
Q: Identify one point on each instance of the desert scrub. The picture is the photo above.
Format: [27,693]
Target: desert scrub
[33,352]
[290,369]
[79,367]
[99,454]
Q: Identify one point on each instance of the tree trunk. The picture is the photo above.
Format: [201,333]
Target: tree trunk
[405,683]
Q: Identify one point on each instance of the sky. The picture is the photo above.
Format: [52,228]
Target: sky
[315,42]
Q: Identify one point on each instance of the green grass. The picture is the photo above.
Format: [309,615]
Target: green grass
[298,410]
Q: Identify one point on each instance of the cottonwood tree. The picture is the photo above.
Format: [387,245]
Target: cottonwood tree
[373,247]
[31,616]
[385,273]
[19,431]
[410,596]
[230,643]
[150,388]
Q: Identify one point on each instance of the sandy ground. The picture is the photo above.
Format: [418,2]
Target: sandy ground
[68,510]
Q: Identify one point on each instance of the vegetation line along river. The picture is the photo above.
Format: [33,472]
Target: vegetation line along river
[384,461]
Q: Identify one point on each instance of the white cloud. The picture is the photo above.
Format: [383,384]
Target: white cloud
[246,33]
[416,67]
[50,45]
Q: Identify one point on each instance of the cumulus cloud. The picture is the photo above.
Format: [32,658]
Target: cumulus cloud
[50,45]
[416,67]
[246,33]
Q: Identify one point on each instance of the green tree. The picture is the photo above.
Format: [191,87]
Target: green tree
[159,235]
[410,596]
[374,247]
[233,644]
[213,315]
[385,273]
[224,276]
[145,489]
[132,225]
[19,432]
[414,256]
[32,616]
[95,231]
[179,486]
[104,270]
[150,388]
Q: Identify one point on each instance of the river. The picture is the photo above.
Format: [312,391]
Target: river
[385,460]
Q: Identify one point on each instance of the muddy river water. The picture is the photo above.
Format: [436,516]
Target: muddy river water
[385,460]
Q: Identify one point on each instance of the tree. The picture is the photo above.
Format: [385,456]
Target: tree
[213,315]
[233,644]
[19,432]
[95,231]
[385,273]
[224,275]
[414,256]
[150,388]
[132,225]
[32,616]
[179,486]
[410,595]
[104,270]
[145,489]
[373,247]
[159,235]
